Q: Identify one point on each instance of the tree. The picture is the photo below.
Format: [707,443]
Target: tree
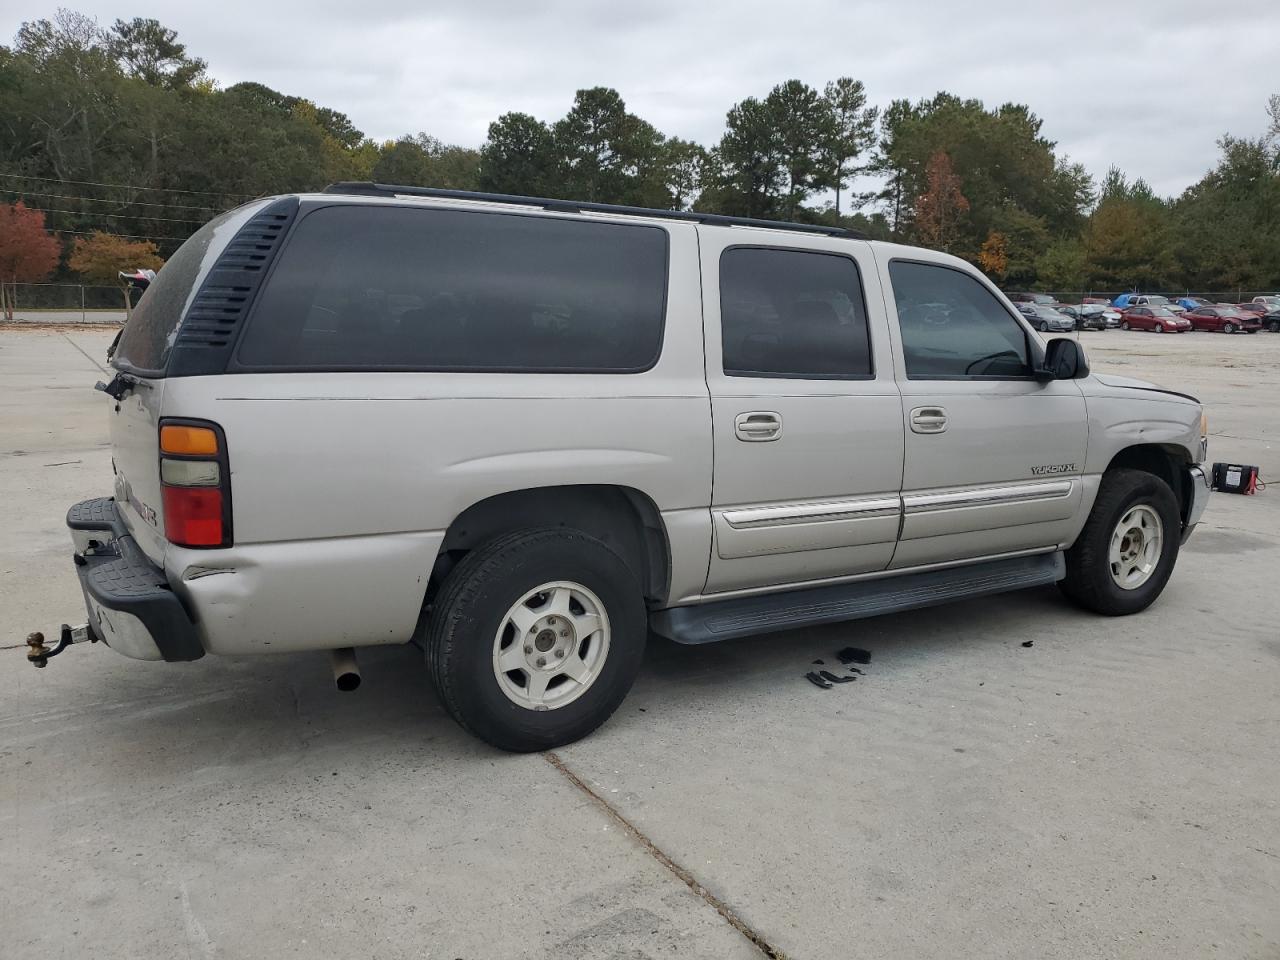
[804,125]
[685,164]
[852,129]
[746,166]
[28,252]
[994,257]
[151,52]
[607,155]
[101,256]
[938,210]
[518,157]
[424,161]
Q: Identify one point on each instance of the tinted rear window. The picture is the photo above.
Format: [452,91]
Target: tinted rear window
[148,336]
[361,287]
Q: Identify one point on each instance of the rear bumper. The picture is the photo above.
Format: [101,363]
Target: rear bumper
[131,607]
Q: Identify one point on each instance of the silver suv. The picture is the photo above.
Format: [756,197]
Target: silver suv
[523,433]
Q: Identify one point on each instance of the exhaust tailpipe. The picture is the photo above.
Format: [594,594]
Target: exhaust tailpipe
[346,672]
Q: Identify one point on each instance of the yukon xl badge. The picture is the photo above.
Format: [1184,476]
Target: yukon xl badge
[1051,469]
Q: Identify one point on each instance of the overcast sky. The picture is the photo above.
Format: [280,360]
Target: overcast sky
[1145,84]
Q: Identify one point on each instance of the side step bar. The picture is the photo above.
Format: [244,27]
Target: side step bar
[747,616]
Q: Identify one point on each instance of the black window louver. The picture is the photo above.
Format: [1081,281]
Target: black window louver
[209,329]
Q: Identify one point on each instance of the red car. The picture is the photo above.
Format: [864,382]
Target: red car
[1226,319]
[1159,319]
[1257,309]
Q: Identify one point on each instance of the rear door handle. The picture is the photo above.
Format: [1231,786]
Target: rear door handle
[929,420]
[758,425]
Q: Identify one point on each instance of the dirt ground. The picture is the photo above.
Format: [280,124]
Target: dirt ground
[1111,791]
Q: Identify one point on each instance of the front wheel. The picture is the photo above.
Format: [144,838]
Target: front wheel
[1159,328]
[536,638]
[1274,326]
[1124,324]
[1125,554]
[1228,327]
[1042,327]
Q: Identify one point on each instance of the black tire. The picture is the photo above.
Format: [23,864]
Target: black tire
[1124,324]
[1159,328]
[1274,326]
[1042,327]
[1089,583]
[476,596]
[1228,327]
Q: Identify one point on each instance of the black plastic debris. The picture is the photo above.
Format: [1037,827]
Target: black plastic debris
[854,655]
[853,669]
[817,681]
[1028,643]
[828,675]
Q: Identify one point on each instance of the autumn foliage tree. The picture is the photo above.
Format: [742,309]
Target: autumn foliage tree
[938,210]
[28,252]
[994,255]
[101,256]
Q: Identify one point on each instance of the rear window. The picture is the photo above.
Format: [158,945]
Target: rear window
[384,287]
[148,336]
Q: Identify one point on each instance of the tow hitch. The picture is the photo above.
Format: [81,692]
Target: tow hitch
[38,654]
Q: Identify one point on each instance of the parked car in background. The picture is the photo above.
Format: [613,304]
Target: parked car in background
[1044,299]
[1271,320]
[1223,318]
[1192,303]
[1046,319]
[1253,306]
[1271,301]
[1155,300]
[1087,316]
[1156,319]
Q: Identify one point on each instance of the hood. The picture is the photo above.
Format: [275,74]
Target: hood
[1132,383]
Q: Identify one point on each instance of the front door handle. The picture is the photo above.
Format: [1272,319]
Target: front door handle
[758,425]
[929,420]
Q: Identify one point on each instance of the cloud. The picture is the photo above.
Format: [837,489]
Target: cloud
[1148,85]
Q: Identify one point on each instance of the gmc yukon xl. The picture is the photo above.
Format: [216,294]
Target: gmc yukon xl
[523,433]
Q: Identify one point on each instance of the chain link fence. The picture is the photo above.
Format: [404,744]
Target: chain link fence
[65,303]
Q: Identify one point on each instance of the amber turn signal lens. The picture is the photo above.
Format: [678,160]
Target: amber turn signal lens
[193,441]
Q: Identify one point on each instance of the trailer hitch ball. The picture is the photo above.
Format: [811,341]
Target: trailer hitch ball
[37,652]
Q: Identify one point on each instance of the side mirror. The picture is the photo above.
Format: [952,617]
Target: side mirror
[1064,359]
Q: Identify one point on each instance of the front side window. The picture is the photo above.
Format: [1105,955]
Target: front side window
[953,327]
[790,313]
[391,287]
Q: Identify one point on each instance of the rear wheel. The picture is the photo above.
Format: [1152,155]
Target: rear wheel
[536,638]
[1125,554]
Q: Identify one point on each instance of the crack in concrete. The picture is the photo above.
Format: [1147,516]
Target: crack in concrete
[100,367]
[684,876]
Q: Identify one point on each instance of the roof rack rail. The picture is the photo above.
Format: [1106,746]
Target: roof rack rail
[365,188]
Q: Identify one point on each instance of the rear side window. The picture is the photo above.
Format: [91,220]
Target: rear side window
[148,336]
[361,287]
[953,327]
[789,313]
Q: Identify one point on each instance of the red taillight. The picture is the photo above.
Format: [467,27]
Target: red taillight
[193,516]
[195,483]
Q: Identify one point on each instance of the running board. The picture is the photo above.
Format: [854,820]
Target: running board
[747,616]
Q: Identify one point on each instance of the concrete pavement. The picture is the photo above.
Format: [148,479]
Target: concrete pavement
[1110,791]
